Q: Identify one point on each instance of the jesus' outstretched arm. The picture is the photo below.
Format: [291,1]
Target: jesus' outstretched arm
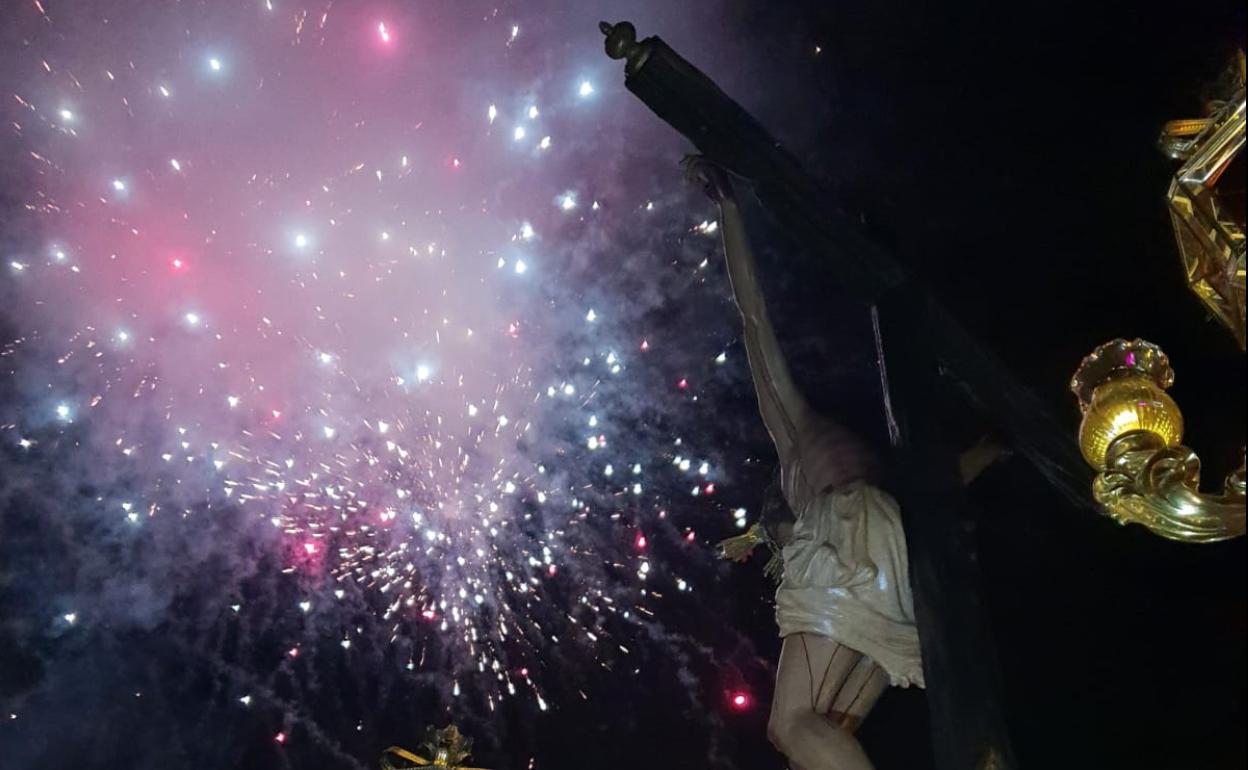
[785,411]
[815,453]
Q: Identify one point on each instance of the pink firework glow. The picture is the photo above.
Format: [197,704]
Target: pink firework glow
[355,309]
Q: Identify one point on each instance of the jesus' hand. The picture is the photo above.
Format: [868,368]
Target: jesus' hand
[709,175]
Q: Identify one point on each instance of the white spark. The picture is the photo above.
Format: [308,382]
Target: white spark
[586,88]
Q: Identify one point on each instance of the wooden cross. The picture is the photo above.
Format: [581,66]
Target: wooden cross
[925,357]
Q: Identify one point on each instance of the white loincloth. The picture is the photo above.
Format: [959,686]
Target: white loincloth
[847,577]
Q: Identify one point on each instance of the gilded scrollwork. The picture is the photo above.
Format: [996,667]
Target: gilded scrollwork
[1132,433]
[1158,486]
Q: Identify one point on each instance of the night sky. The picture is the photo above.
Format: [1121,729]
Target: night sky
[370,365]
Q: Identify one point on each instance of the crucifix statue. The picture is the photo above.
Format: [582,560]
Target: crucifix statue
[844,604]
[874,590]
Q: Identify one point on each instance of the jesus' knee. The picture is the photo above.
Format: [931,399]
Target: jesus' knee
[786,726]
[810,738]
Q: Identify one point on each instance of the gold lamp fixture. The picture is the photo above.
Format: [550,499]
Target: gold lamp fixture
[1121,389]
[445,748]
[1132,431]
[1207,201]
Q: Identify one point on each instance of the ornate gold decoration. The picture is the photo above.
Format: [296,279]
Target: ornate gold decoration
[992,760]
[1208,220]
[447,747]
[1131,433]
[1121,388]
[740,547]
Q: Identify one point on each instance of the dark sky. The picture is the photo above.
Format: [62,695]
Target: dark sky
[345,205]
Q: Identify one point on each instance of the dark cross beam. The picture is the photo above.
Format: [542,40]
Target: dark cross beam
[722,130]
[923,350]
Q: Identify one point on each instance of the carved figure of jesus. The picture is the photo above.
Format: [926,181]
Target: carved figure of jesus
[843,605]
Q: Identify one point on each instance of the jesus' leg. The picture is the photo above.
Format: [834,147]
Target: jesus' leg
[813,670]
[853,700]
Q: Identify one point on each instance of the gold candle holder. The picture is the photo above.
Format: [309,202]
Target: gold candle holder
[1131,434]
